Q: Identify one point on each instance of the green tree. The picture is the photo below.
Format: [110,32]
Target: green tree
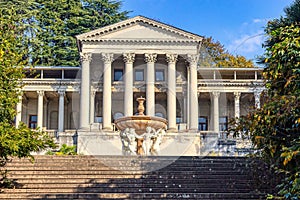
[275,128]
[60,21]
[14,141]
[214,54]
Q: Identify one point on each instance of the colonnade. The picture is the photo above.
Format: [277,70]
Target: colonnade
[87,96]
[150,58]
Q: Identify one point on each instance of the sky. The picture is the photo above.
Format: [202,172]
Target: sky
[237,24]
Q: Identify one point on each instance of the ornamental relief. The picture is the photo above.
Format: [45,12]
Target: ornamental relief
[107,58]
[150,58]
[128,57]
[85,57]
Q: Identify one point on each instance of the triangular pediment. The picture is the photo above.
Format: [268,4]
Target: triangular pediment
[139,29]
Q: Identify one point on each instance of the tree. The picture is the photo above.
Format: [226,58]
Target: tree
[214,54]
[14,141]
[60,21]
[275,128]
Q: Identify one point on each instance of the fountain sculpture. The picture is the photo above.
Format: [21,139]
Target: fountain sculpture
[141,134]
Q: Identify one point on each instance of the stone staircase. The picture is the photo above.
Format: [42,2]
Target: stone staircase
[118,177]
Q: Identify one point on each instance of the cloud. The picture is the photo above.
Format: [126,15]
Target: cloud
[249,39]
[247,44]
[257,20]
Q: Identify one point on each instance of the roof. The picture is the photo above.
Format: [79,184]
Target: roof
[117,32]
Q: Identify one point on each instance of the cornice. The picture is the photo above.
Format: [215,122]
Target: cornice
[91,41]
[51,83]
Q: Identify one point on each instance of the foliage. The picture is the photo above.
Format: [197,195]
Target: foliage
[275,128]
[60,21]
[14,141]
[64,150]
[214,54]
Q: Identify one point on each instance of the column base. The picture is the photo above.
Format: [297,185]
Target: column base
[193,130]
[172,130]
[108,129]
[84,129]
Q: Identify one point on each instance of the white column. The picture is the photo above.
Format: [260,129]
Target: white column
[237,96]
[107,60]
[185,107]
[19,111]
[192,59]
[150,59]
[171,59]
[40,109]
[85,90]
[92,107]
[128,80]
[216,96]
[257,98]
[61,109]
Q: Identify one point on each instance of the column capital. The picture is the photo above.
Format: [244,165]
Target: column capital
[40,93]
[128,57]
[171,58]
[216,94]
[93,93]
[237,95]
[61,92]
[85,57]
[192,59]
[107,58]
[150,58]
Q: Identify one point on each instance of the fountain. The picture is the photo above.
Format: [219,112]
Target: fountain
[141,134]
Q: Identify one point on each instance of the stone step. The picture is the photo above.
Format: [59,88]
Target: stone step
[131,176]
[104,168]
[113,177]
[103,196]
[187,172]
[176,184]
[49,159]
[131,181]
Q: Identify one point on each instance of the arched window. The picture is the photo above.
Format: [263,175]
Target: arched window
[118,115]
[159,115]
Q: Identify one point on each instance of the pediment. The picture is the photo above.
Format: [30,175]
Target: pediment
[139,29]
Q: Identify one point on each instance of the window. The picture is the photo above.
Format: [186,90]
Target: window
[118,75]
[223,123]
[139,75]
[32,121]
[159,75]
[159,115]
[118,115]
[178,120]
[202,124]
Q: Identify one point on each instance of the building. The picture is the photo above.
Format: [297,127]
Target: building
[133,58]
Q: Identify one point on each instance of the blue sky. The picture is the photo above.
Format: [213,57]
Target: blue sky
[237,24]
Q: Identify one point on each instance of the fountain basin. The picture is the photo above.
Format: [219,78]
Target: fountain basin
[140,123]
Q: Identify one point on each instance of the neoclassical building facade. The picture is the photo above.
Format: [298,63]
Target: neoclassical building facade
[133,58]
